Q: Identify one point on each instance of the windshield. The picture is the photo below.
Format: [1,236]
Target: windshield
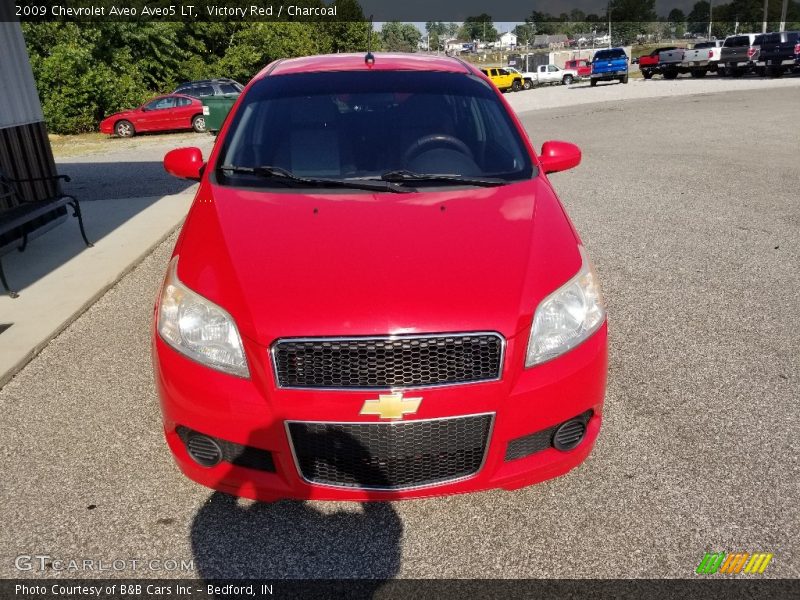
[364,125]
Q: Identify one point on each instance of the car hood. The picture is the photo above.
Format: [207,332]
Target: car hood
[339,264]
[117,115]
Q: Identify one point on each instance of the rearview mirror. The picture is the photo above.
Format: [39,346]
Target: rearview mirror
[186,163]
[559,156]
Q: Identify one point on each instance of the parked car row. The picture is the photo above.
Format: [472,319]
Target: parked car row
[766,53]
[511,79]
[180,110]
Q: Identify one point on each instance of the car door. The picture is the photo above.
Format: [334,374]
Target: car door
[156,115]
[185,109]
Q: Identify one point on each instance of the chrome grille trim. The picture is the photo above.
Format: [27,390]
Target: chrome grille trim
[386,338]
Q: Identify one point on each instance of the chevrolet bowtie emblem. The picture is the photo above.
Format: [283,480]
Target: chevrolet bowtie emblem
[391,406]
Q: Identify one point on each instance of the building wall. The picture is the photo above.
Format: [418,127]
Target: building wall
[22,106]
[25,151]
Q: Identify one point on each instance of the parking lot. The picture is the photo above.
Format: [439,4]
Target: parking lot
[690,208]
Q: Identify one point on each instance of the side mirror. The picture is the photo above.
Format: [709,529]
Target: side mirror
[559,156]
[186,163]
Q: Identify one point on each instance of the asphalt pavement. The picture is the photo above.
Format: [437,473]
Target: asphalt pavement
[689,208]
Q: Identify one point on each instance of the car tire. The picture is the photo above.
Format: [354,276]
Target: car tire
[647,74]
[527,85]
[736,72]
[124,129]
[593,82]
[515,87]
[670,75]
[199,123]
[697,73]
[567,80]
[623,79]
[721,72]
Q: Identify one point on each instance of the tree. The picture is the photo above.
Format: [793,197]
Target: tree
[400,37]
[437,32]
[698,17]
[480,28]
[544,23]
[676,22]
[525,33]
[630,18]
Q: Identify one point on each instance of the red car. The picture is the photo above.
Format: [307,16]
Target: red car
[582,65]
[377,293]
[165,113]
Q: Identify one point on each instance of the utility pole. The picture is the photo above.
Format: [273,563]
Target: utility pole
[608,11]
[783,15]
[764,25]
[710,16]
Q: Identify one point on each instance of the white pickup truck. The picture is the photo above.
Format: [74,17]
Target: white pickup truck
[528,77]
[702,58]
[549,74]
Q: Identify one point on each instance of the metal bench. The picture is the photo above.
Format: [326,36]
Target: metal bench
[20,217]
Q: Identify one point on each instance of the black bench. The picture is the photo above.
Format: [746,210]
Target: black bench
[19,218]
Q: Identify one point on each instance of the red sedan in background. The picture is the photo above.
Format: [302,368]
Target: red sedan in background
[165,113]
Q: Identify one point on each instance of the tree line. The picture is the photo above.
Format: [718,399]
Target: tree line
[86,71]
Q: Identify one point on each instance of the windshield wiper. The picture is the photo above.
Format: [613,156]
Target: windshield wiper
[285,176]
[402,175]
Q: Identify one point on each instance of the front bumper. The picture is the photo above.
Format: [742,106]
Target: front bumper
[608,75]
[254,413]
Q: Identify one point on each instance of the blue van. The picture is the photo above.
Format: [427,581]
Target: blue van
[608,65]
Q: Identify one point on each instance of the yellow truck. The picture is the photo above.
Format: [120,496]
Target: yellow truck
[504,79]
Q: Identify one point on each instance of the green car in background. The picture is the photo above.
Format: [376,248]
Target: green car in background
[218,97]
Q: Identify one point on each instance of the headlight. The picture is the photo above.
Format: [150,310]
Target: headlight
[566,317]
[199,328]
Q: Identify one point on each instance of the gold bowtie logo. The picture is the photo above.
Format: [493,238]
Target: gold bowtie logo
[391,406]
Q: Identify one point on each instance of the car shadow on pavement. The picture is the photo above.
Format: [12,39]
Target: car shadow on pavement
[291,539]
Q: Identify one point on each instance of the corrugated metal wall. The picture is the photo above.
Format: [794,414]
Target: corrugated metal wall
[24,146]
[22,105]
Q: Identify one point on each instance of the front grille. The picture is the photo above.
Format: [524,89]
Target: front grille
[390,362]
[390,456]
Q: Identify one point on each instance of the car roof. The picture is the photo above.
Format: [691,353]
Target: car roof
[172,96]
[207,81]
[356,62]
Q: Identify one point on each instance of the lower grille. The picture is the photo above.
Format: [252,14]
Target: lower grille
[390,456]
[564,436]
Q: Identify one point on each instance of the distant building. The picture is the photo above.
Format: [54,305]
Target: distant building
[508,40]
[456,46]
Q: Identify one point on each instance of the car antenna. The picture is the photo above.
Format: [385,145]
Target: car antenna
[369,59]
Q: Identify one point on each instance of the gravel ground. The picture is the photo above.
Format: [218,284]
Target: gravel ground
[556,96]
[692,220]
[106,169]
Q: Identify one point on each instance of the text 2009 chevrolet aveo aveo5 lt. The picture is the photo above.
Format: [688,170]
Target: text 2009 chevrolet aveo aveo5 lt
[377,293]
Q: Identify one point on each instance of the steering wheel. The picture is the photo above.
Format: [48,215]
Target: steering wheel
[436,139]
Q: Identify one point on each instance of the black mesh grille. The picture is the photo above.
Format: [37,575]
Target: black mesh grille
[390,455]
[388,362]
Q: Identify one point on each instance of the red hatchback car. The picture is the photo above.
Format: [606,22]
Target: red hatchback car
[165,113]
[377,293]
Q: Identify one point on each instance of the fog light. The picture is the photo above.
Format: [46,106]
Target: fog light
[204,450]
[569,435]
